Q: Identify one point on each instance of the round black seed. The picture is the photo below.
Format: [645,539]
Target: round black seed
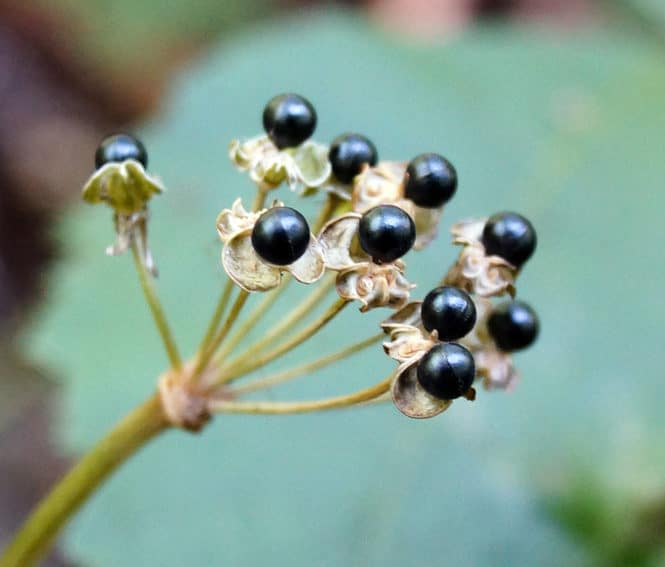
[386,233]
[510,236]
[280,236]
[119,148]
[430,181]
[450,311]
[348,153]
[446,371]
[513,325]
[289,119]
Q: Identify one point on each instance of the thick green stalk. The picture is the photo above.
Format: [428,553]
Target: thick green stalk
[53,512]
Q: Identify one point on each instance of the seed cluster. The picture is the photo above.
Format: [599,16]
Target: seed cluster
[377,212]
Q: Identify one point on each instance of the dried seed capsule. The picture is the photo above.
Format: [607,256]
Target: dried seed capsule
[119,148]
[289,119]
[510,236]
[386,233]
[280,236]
[446,371]
[513,325]
[348,153]
[430,181]
[450,311]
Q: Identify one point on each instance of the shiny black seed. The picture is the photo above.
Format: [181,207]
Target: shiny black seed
[119,148]
[348,153]
[289,119]
[386,233]
[510,236]
[280,236]
[430,181]
[513,325]
[446,371]
[450,311]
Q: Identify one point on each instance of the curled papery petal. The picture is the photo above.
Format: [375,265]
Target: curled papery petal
[312,168]
[474,271]
[310,266]
[408,315]
[236,219]
[410,398]
[468,231]
[374,285]
[124,186]
[261,158]
[338,189]
[482,275]
[479,337]
[496,369]
[427,225]
[244,266]
[336,239]
[303,167]
[407,343]
[379,185]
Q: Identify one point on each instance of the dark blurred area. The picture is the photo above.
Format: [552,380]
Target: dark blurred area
[64,85]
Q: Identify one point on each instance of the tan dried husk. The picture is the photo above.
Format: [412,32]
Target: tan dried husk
[124,186]
[246,268]
[378,185]
[409,396]
[304,167]
[474,271]
[494,366]
[236,219]
[384,185]
[336,239]
[374,285]
[496,369]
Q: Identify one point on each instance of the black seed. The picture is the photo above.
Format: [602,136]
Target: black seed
[119,148]
[289,119]
[280,236]
[386,233]
[450,311]
[446,371]
[348,153]
[513,325]
[430,181]
[510,236]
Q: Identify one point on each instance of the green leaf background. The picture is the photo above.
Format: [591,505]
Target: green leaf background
[568,130]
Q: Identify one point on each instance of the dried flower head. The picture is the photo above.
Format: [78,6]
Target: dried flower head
[122,183]
[252,271]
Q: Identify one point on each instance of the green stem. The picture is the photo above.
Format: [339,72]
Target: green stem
[251,320]
[245,363]
[157,310]
[205,357]
[217,316]
[34,538]
[312,366]
[286,323]
[281,408]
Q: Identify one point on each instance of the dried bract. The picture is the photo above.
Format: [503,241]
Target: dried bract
[126,188]
[384,185]
[246,268]
[409,396]
[375,285]
[474,271]
[303,167]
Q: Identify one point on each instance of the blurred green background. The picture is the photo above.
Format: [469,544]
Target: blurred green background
[554,112]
